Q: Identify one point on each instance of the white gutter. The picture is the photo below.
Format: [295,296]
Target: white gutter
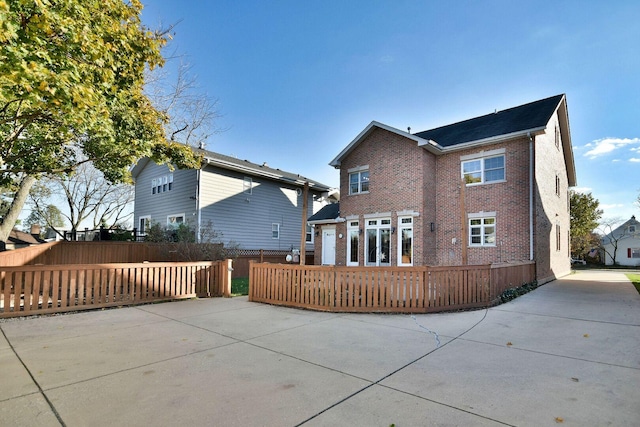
[531,254]
[198,193]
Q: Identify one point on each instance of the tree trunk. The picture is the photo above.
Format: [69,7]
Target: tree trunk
[9,221]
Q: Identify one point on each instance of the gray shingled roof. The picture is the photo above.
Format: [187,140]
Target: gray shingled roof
[264,170]
[517,119]
[327,213]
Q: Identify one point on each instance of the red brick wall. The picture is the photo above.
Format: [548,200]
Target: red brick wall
[551,209]
[405,177]
[509,200]
[401,178]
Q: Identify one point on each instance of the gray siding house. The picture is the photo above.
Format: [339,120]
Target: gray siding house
[252,205]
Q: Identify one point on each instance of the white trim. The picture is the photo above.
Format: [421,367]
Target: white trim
[350,229]
[184,219]
[481,214]
[399,233]
[380,215]
[146,217]
[358,169]
[482,153]
[408,213]
[277,230]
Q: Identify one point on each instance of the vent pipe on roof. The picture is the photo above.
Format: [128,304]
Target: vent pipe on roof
[409,130]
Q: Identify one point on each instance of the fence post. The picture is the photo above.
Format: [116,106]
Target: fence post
[251,261]
[225,274]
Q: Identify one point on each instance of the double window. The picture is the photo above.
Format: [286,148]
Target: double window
[174,221]
[359,181]
[482,231]
[483,170]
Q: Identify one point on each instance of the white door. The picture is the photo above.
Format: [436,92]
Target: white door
[328,246]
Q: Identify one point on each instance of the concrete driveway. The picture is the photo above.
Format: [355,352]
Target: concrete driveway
[567,353]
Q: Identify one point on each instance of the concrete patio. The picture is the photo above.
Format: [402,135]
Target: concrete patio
[567,353]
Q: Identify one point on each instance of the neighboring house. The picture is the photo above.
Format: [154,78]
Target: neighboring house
[624,244]
[252,205]
[20,239]
[485,190]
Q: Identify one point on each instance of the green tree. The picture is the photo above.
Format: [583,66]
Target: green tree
[50,218]
[71,81]
[584,216]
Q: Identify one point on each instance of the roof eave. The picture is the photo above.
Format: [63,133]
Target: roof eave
[490,140]
[255,172]
[362,135]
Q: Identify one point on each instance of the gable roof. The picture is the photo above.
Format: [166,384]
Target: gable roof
[246,167]
[22,238]
[623,230]
[530,117]
[525,120]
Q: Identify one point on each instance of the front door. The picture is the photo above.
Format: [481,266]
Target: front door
[328,246]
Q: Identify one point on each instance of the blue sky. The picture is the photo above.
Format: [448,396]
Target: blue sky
[298,80]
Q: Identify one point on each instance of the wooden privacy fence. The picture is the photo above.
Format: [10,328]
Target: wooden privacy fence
[385,289]
[41,289]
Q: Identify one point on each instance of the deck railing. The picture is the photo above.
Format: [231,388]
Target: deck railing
[42,289]
[385,289]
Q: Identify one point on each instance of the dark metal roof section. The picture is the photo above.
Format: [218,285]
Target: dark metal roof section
[517,119]
[232,163]
[327,213]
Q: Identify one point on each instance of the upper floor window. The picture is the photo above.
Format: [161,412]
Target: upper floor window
[162,184]
[309,234]
[275,231]
[483,170]
[558,185]
[482,231]
[247,186]
[557,137]
[632,229]
[359,182]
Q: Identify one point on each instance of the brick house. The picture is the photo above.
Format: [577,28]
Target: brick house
[491,189]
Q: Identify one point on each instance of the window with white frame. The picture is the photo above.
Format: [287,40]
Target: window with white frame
[632,229]
[174,221]
[353,243]
[482,231]
[309,234]
[558,237]
[275,230]
[483,170]
[634,252]
[247,185]
[162,184]
[558,185]
[405,241]
[359,182]
[144,224]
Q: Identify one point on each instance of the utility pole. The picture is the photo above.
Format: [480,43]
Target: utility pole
[303,232]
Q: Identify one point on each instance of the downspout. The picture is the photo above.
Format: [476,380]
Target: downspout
[531,159]
[198,177]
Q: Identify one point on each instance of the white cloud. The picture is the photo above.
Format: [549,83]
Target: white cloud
[633,159]
[604,146]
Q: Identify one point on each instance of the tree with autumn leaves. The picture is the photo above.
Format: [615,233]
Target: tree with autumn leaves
[71,92]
